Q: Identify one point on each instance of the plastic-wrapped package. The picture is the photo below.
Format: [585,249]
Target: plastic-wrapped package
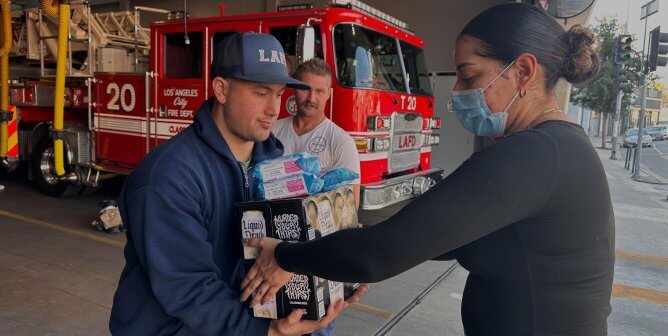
[290,165]
[291,186]
[337,177]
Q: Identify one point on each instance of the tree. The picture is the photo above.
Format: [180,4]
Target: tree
[600,94]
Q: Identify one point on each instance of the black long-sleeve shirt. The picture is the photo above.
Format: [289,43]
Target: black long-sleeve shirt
[529,217]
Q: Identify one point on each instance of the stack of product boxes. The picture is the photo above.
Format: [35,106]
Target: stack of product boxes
[296,219]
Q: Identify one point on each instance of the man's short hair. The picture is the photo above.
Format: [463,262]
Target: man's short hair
[315,66]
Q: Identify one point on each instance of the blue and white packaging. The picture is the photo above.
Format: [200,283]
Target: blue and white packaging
[291,186]
[337,177]
[290,165]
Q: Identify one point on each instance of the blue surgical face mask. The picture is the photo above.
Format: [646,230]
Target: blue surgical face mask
[473,113]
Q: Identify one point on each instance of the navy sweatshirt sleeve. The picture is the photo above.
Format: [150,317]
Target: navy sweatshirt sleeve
[496,187]
[172,247]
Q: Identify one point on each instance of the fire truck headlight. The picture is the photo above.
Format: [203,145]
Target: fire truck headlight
[431,123]
[377,123]
[381,144]
[435,139]
[435,123]
[363,144]
[431,139]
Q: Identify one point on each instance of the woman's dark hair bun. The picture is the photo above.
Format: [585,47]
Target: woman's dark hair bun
[510,29]
[582,62]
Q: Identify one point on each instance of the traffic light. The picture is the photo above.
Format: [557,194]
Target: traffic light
[658,49]
[623,49]
[621,80]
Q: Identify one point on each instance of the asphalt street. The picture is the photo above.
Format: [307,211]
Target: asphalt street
[656,158]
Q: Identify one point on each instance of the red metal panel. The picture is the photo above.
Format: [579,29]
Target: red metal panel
[425,160]
[120,119]
[39,114]
[372,170]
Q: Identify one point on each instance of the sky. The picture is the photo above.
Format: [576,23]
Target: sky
[631,9]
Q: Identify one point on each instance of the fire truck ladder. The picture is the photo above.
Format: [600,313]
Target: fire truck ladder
[91,31]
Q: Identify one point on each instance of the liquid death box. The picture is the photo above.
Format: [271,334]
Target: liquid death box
[294,220]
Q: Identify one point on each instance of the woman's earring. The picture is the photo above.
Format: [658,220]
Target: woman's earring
[523,93]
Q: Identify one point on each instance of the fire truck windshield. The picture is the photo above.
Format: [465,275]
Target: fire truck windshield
[368,59]
[416,69]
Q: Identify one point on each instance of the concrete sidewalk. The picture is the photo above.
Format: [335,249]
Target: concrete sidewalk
[640,290]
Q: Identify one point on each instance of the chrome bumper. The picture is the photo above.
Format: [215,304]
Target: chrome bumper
[381,194]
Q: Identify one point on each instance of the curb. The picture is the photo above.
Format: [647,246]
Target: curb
[651,177]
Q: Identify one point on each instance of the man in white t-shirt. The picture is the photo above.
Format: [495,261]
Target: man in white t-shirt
[310,131]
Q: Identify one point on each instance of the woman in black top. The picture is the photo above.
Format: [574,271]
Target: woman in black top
[530,217]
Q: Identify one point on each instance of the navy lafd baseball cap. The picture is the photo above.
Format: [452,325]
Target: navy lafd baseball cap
[253,57]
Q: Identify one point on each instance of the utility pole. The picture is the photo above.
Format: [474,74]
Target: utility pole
[646,10]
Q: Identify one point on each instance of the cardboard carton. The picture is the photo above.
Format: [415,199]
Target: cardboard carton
[295,220]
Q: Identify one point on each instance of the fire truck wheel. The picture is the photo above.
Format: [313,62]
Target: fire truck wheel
[44,171]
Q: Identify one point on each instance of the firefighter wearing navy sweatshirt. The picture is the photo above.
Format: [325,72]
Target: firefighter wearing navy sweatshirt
[183,252]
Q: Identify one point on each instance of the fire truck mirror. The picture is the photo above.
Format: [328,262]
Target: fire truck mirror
[305,43]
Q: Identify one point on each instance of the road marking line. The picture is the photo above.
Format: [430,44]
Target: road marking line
[371,310]
[81,234]
[657,149]
[641,257]
[640,294]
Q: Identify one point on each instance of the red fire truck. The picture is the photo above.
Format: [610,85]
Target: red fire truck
[381,96]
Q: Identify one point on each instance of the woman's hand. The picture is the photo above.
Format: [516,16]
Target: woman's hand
[265,278]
